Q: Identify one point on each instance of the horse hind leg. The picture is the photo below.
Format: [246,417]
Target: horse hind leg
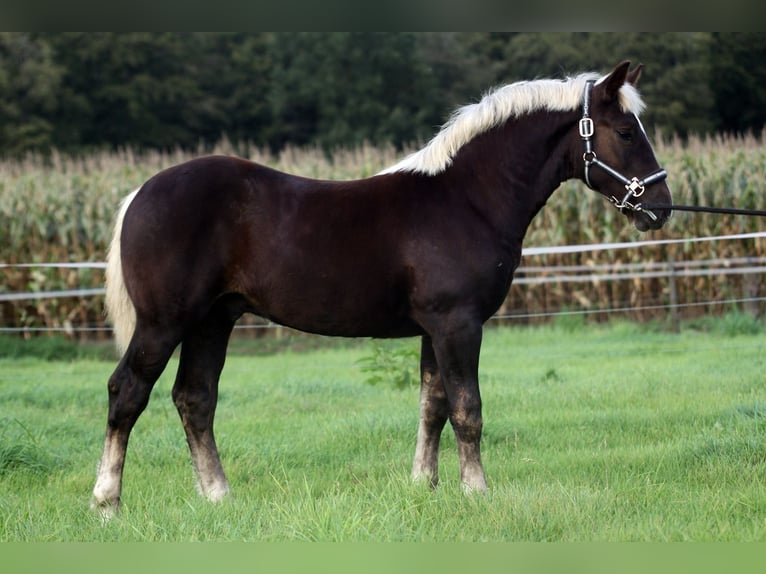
[129,389]
[434,411]
[195,394]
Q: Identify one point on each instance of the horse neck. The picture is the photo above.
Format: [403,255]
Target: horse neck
[512,170]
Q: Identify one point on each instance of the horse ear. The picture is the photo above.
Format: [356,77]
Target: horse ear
[614,81]
[634,75]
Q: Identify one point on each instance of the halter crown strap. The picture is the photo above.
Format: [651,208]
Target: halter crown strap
[586,131]
[635,187]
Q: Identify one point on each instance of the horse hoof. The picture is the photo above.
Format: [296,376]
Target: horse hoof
[432,480]
[105,510]
[215,493]
[476,488]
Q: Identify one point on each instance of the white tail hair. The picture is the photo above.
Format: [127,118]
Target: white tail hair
[119,307]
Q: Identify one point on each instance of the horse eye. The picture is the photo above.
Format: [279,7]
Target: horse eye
[625,135]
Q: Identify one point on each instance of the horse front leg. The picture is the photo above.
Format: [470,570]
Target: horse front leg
[457,348]
[434,411]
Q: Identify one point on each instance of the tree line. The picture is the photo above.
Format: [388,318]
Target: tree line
[77,92]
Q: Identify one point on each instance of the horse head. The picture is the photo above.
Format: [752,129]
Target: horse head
[618,160]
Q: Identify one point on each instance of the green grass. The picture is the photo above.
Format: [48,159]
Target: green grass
[615,433]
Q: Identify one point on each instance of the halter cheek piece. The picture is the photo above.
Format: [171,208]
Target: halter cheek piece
[635,187]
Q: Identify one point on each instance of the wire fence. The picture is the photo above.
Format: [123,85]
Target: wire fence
[527,279]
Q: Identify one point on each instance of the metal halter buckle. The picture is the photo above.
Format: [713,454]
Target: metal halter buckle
[635,187]
[632,186]
[586,127]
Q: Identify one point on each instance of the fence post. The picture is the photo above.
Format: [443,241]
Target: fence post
[673,289]
[750,289]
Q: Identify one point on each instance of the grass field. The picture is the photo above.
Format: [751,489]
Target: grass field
[614,432]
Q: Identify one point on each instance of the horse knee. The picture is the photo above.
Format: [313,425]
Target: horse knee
[128,397]
[114,384]
[467,422]
[188,399]
[434,406]
[195,405]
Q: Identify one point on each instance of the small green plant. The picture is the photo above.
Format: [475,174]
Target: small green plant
[391,363]
[739,323]
[731,324]
[48,348]
[53,348]
[551,376]
[570,321]
[20,451]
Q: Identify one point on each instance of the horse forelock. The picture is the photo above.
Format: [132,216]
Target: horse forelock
[499,105]
[631,101]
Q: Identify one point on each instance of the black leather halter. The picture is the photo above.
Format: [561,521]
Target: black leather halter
[635,187]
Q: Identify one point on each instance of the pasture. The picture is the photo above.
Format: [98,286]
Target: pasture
[614,432]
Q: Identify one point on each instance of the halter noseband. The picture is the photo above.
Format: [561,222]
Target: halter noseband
[635,187]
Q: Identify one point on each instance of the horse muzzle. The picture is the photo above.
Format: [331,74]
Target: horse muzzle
[647,211]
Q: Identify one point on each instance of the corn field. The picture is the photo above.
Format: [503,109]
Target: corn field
[60,209]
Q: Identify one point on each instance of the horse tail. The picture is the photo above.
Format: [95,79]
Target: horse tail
[119,307]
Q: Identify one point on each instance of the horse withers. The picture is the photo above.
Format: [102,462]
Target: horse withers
[426,248]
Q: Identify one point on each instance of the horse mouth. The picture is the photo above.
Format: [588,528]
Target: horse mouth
[648,219]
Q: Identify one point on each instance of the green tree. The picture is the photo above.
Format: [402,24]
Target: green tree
[128,88]
[29,84]
[76,91]
[738,80]
[676,85]
[233,75]
[344,88]
[677,82]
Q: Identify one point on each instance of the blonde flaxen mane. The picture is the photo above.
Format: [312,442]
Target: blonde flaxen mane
[499,105]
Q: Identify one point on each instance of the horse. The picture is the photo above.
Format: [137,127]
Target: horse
[426,248]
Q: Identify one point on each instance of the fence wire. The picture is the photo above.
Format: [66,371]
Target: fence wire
[524,276]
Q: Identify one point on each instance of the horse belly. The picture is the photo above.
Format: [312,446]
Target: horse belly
[343,320]
[336,302]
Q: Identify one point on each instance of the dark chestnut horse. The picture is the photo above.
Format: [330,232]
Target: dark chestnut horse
[426,248]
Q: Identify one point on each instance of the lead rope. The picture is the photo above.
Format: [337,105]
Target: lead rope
[726,210]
